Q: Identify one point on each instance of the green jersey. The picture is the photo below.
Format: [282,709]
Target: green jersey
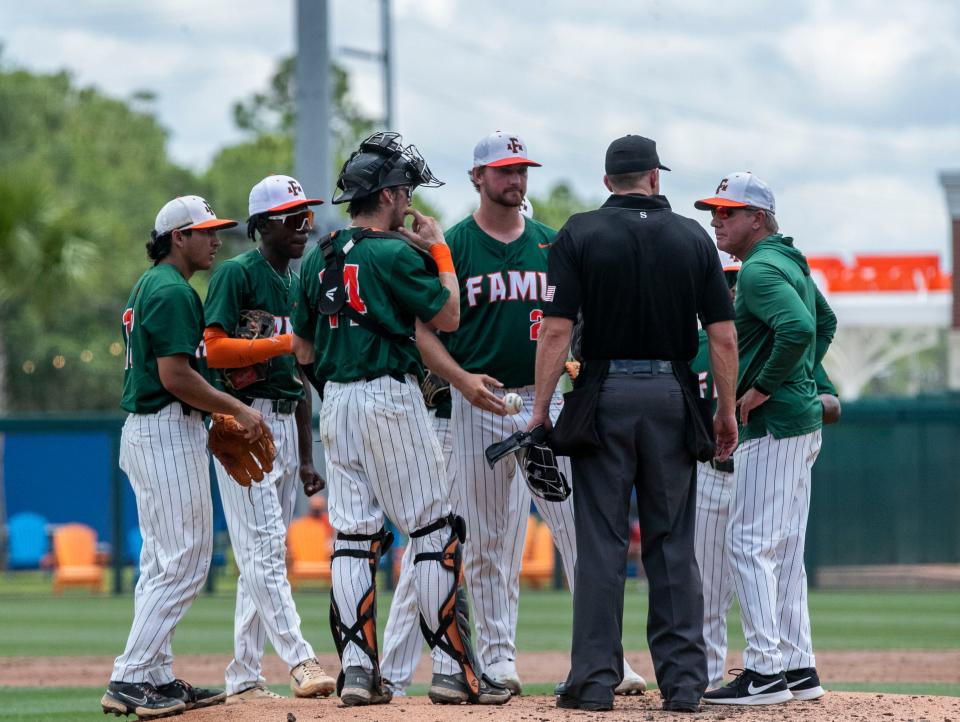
[502,290]
[701,367]
[248,283]
[784,327]
[385,278]
[163,317]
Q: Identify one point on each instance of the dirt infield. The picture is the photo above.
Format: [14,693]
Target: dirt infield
[835,706]
[890,666]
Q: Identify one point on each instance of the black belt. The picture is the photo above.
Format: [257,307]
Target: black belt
[725,466]
[278,406]
[640,366]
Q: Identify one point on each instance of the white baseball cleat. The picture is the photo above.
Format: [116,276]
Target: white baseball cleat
[504,671]
[632,682]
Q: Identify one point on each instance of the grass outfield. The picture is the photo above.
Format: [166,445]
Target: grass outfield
[81,704]
[35,623]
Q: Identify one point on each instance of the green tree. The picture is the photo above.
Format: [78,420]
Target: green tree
[559,203]
[84,177]
[269,118]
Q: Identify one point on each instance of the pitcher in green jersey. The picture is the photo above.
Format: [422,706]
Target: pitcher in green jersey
[163,451]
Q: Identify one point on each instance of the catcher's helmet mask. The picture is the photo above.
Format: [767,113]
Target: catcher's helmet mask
[381,162]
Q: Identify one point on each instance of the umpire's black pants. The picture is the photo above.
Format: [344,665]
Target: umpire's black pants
[641,423]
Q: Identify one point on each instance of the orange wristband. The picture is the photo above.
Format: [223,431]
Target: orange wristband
[441,254]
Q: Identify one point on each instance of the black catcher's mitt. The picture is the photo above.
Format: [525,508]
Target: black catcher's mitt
[537,460]
[253,323]
[435,390]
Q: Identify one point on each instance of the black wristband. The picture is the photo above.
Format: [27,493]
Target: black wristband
[762,390]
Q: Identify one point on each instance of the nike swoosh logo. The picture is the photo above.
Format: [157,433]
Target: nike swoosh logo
[543,245]
[135,700]
[757,690]
[791,685]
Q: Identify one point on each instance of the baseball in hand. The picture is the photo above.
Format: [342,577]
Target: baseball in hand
[513,402]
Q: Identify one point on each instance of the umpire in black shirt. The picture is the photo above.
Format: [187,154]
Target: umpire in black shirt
[640,275]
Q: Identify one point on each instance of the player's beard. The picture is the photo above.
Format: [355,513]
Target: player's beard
[511,198]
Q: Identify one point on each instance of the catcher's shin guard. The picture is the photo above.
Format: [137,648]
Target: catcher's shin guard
[363,632]
[453,633]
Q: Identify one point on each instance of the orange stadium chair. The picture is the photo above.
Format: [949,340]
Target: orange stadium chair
[536,567]
[75,559]
[309,547]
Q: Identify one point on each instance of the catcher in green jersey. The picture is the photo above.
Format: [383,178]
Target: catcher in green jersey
[248,337]
[501,260]
[163,451]
[365,291]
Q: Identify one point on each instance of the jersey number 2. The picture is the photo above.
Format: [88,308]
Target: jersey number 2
[536,318]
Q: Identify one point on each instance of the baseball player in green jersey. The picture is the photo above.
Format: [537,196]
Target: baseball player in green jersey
[365,292]
[501,258]
[714,486]
[784,327]
[163,451]
[258,289]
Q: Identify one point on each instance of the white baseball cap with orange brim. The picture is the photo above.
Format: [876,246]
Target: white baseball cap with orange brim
[189,213]
[740,190]
[500,149]
[278,193]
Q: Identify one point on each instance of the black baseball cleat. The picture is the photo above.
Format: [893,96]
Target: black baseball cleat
[358,688]
[139,698]
[751,688]
[804,684]
[192,697]
[453,689]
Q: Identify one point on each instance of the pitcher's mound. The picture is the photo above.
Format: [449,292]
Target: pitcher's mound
[861,707]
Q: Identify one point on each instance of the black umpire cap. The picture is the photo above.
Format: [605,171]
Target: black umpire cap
[632,154]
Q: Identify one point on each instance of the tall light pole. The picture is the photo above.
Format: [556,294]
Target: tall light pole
[313,147]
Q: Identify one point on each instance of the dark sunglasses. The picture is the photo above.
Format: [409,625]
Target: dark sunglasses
[296,222]
[724,212]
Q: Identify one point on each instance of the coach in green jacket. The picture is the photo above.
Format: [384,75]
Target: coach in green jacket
[784,327]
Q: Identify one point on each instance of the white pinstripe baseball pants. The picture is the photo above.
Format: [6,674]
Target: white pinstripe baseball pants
[383,457]
[257,519]
[165,457]
[713,509]
[766,535]
[496,502]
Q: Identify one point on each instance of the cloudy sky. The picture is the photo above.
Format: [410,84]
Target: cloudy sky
[848,109]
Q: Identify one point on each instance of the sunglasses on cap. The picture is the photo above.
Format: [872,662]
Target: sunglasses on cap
[724,212]
[296,222]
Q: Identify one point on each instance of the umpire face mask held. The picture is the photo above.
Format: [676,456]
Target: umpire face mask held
[382,161]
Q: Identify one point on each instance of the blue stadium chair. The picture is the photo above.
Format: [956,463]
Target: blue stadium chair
[28,540]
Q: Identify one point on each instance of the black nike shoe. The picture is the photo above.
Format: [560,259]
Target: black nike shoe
[139,698]
[192,697]
[804,684]
[751,688]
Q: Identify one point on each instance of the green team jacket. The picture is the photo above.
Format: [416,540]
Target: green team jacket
[784,327]
[701,367]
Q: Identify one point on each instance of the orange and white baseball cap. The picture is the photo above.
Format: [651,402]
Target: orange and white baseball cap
[189,213]
[499,149]
[278,193]
[739,190]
